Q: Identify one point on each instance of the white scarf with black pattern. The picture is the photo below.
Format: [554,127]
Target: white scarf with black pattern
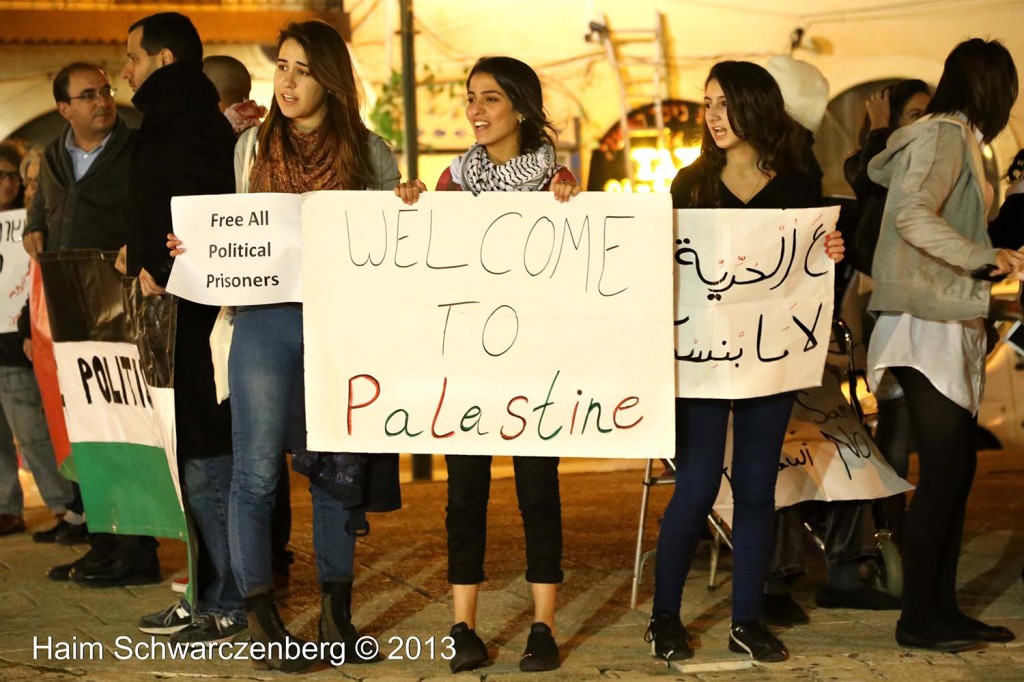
[475,172]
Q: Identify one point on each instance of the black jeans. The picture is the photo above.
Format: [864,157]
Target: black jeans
[934,529]
[759,429]
[469,488]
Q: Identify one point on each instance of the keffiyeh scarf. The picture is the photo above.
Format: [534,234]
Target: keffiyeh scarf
[475,172]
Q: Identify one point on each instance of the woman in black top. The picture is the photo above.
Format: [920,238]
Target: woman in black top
[754,155]
[890,108]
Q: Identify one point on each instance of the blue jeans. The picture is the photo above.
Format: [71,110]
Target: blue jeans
[23,419]
[267,416]
[335,549]
[759,428]
[206,489]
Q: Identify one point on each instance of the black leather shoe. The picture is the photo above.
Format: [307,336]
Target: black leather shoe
[63,533]
[938,639]
[782,609]
[114,573]
[971,628]
[541,650]
[864,598]
[62,572]
[470,650]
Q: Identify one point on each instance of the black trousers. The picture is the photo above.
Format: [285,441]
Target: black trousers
[934,529]
[136,550]
[469,488]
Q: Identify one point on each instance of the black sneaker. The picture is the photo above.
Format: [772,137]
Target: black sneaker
[667,637]
[208,628]
[174,618]
[541,650]
[754,639]
[470,651]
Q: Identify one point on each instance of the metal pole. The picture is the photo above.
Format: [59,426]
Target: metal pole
[422,465]
[409,92]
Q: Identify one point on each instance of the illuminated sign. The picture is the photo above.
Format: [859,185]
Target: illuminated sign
[654,164]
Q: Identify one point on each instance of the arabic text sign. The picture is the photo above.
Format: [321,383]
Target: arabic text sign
[753,300]
[14,279]
[240,249]
[827,454]
[506,323]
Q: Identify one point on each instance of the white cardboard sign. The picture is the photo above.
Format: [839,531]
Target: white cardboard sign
[753,300]
[504,323]
[14,279]
[240,249]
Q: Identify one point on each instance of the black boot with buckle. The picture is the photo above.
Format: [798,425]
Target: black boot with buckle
[281,651]
[336,621]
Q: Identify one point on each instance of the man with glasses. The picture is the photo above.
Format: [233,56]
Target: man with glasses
[82,202]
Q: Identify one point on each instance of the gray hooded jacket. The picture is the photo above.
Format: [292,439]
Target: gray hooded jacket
[934,231]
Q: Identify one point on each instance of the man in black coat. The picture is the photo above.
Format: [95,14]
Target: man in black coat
[185,146]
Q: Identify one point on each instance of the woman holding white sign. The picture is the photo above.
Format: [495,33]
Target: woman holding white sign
[514,152]
[312,139]
[754,155]
[933,269]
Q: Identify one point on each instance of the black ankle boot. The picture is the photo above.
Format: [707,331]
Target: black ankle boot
[281,651]
[336,620]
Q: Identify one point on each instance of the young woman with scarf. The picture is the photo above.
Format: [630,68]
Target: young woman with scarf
[312,139]
[514,152]
[754,155]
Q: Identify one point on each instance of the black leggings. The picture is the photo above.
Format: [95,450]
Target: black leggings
[944,433]
[469,488]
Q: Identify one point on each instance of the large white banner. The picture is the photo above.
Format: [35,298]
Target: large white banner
[753,300]
[827,455]
[505,323]
[14,279]
[240,249]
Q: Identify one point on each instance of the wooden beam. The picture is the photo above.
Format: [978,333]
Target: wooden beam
[106,26]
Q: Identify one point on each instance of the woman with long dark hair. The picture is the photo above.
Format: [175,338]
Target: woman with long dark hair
[932,268]
[753,155]
[514,152]
[313,139]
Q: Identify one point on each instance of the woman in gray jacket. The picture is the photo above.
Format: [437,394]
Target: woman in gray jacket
[933,268]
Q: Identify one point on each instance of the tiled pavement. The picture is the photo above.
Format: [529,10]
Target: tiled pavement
[402,593]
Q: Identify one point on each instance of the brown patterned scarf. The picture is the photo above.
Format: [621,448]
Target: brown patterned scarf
[312,168]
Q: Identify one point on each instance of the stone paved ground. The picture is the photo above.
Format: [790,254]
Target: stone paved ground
[402,593]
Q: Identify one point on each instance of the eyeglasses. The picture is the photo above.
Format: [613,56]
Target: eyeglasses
[91,95]
[9,175]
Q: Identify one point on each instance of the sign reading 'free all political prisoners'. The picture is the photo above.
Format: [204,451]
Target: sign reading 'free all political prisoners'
[753,300]
[242,248]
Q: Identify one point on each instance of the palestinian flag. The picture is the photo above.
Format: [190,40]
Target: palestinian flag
[113,349]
